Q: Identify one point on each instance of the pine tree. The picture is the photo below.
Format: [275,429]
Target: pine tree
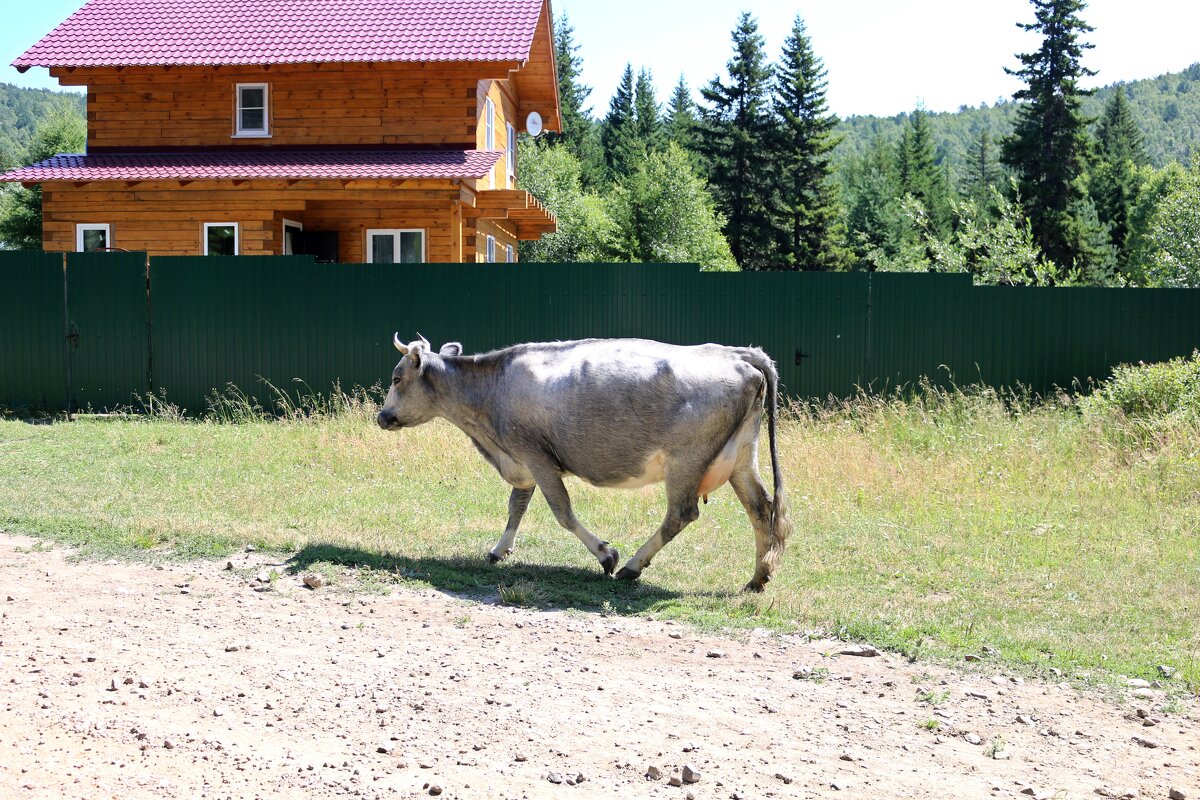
[681,117]
[580,135]
[737,132]
[982,175]
[812,234]
[1117,179]
[1049,146]
[618,133]
[920,174]
[647,113]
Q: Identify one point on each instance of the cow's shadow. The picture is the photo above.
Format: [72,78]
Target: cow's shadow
[532,585]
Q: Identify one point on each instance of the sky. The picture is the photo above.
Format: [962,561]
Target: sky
[884,57]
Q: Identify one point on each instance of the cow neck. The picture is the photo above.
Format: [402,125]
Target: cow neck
[462,396]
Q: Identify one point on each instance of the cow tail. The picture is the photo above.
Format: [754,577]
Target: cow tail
[781,522]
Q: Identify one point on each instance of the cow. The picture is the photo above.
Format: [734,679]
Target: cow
[616,413]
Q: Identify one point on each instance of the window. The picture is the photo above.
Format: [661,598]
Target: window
[512,256]
[510,153]
[490,141]
[396,246]
[252,110]
[220,239]
[90,238]
[491,250]
[291,237]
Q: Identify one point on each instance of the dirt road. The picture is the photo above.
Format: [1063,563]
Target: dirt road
[135,681]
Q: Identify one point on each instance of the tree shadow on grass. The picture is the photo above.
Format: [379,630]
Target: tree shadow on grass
[554,587]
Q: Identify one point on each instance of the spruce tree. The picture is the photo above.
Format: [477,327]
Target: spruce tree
[982,171]
[619,133]
[808,197]
[580,135]
[647,113]
[738,129]
[681,116]
[1116,181]
[1049,146]
[920,174]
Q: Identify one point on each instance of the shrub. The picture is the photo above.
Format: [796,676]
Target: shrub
[1151,391]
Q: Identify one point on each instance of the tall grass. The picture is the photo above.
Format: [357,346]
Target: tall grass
[1054,533]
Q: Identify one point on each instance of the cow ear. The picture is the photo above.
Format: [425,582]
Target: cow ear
[451,350]
[416,353]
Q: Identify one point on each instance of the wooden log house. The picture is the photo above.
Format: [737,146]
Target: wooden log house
[378,131]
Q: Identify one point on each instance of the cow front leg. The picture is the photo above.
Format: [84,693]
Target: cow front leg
[683,509]
[560,503]
[518,504]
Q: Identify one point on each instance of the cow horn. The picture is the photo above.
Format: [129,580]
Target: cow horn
[399,345]
[424,341]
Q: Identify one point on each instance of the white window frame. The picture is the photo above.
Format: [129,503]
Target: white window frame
[395,232]
[252,133]
[92,226]
[491,249]
[510,152]
[287,223]
[511,254]
[237,236]
[490,126]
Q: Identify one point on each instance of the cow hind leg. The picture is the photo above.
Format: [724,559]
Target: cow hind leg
[518,504]
[683,508]
[560,503]
[751,491]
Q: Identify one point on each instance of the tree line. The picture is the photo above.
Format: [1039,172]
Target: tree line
[756,175]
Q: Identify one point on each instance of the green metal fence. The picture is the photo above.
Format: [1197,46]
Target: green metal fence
[188,326]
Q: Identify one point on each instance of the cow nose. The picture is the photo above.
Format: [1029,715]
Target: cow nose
[386,419]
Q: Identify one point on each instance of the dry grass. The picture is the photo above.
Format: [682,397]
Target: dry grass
[935,527]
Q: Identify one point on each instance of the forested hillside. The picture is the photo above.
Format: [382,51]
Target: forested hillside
[1166,109]
[20,112]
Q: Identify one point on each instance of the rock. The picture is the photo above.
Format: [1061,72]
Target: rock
[1024,720]
[1177,794]
[653,773]
[999,680]
[519,757]
[691,796]
[9,598]
[580,778]
[715,654]
[972,657]
[427,763]
[1163,669]
[1116,794]
[978,695]
[434,789]
[675,635]
[1138,683]
[675,780]
[218,712]
[1147,743]
[168,744]
[690,774]
[779,776]
[263,576]
[554,777]
[228,566]
[314,581]
[112,686]
[1038,794]
[128,681]
[973,738]
[233,648]
[251,548]
[1143,694]
[387,748]
[860,650]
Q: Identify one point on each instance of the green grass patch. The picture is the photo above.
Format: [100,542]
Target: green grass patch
[934,526]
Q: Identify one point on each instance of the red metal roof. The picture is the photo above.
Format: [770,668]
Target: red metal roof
[222,32]
[266,164]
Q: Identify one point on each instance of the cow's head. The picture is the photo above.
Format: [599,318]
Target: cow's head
[411,401]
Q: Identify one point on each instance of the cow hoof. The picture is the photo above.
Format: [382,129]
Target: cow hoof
[627,574]
[755,587]
[494,559]
[609,562]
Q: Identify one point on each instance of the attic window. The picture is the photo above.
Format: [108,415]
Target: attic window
[490,141]
[252,110]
